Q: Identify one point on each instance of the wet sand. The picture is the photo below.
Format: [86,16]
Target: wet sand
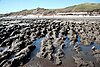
[32,34]
[67,60]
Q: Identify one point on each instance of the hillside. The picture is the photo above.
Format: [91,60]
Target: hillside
[84,7]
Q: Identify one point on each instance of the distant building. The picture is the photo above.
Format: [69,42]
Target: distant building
[92,13]
[73,13]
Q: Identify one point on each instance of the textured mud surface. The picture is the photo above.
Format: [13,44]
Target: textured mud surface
[49,43]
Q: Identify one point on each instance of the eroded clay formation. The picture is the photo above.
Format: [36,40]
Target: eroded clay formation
[17,39]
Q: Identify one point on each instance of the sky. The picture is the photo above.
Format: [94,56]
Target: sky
[7,6]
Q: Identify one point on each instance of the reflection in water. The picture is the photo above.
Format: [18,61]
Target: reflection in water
[86,52]
[79,39]
[69,51]
[37,43]
[67,48]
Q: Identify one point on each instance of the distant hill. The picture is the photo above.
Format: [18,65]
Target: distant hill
[84,7]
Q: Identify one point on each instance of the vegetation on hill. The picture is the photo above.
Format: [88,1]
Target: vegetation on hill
[85,7]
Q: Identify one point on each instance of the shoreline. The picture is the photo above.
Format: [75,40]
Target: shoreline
[51,17]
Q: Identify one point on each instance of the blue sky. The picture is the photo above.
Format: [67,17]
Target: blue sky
[7,6]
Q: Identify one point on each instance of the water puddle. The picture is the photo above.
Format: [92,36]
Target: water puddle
[69,52]
[85,53]
[1,49]
[37,43]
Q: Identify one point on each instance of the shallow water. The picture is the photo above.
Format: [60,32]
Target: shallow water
[67,60]
[37,43]
[1,49]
